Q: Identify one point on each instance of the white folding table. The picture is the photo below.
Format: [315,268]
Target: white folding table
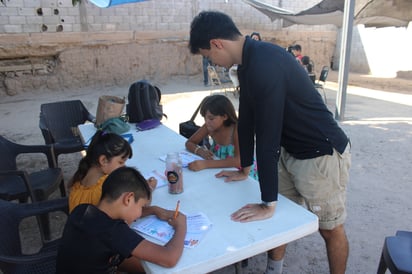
[227,242]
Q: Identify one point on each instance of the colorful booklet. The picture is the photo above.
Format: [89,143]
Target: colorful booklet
[197,226]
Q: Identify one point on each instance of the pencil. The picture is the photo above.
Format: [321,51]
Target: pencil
[177,209]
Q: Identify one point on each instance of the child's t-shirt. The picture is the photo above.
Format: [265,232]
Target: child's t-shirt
[80,194]
[92,242]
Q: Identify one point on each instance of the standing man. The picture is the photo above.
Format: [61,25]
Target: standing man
[294,131]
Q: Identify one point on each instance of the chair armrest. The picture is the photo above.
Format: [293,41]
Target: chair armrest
[29,259]
[47,150]
[48,138]
[24,176]
[42,207]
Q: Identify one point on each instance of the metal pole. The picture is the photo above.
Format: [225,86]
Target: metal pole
[347,27]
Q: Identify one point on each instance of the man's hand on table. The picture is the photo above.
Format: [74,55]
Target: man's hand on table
[253,212]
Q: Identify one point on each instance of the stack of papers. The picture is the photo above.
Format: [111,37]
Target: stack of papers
[197,226]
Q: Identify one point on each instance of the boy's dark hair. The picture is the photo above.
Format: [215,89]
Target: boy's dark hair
[208,25]
[308,63]
[219,105]
[125,179]
[102,143]
[297,47]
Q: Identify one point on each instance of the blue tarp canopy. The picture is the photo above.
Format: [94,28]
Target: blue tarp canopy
[109,3]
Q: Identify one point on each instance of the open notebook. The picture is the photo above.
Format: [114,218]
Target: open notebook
[197,226]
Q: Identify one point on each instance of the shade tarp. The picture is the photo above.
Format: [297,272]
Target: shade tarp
[317,15]
[109,3]
[383,13]
[371,13]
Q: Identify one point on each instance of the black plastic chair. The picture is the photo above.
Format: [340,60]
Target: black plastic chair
[18,184]
[12,259]
[320,83]
[397,254]
[58,124]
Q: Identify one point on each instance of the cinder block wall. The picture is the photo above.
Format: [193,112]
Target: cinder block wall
[49,44]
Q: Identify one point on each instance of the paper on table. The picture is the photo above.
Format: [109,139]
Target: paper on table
[161,179]
[187,157]
[197,226]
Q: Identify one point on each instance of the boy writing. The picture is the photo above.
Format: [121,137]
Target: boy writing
[98,239]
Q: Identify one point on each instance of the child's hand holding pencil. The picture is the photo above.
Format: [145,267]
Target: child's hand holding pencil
[177,210]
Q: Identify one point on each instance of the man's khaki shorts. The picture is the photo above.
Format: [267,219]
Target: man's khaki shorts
[319,182]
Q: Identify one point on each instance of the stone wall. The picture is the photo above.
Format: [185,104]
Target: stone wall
[49,44]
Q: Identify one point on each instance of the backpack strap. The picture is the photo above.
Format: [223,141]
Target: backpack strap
[159,94]
[197,109]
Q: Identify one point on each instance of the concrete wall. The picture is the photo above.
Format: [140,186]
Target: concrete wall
[49,44]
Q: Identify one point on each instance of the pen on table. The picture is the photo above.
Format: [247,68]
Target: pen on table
[177,209]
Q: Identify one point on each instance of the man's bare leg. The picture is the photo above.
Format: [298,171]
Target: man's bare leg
[337,247]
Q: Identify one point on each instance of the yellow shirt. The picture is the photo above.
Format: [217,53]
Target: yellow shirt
[80,194]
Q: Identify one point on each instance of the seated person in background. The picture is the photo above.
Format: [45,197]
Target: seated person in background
[98,239]
[297,51]
[256,36]
[106,152]
[290,50]
[221,125]
[307,64]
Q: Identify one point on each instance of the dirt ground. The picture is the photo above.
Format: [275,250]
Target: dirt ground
[378,119]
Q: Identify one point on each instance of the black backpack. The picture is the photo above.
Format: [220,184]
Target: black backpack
[144,102]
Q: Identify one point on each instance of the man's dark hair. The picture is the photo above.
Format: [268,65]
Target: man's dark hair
[208,25]
[125,179]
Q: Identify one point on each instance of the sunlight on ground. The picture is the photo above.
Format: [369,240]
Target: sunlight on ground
[380,121]
[399,98]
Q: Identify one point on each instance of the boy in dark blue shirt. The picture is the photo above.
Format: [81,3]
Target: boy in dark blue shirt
[99,239]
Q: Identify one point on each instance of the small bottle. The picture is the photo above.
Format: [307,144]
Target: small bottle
[174,173]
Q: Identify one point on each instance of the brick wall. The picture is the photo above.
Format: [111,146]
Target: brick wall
[49,44]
